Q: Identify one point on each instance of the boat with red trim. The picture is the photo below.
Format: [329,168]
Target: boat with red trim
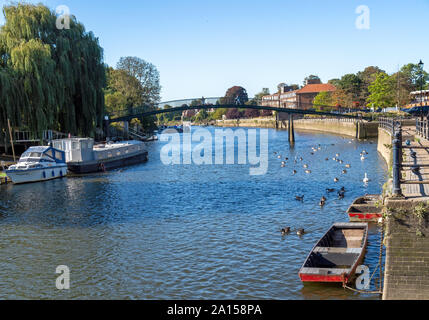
[366,209]
[337,255]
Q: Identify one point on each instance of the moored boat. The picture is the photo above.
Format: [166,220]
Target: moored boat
[38,164]
[337,255]
[83,157]
[366,209]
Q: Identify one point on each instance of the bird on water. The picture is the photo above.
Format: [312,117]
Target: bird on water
[298,198]
[285,231]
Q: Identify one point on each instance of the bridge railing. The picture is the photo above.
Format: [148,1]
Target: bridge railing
[330,119]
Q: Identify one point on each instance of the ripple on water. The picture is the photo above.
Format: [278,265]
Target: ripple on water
[183,232]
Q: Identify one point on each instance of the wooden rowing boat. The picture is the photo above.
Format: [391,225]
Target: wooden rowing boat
[366,209]
[337,255]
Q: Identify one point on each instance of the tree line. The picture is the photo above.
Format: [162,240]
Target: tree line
[56,79]
[375,88]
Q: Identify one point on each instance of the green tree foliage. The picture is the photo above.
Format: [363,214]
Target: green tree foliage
[322,100]
[146,73]
[382,94]
[202,116]
[133,87]
[219,113]
[50,78]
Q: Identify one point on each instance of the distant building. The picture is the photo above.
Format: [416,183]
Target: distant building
[297,99]
[419,98]
[189,113]
[306,95]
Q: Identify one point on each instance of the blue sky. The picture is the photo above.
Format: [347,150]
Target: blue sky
[202,47]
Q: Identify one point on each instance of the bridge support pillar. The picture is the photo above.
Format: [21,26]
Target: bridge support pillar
[291,130]
[126,128]
[106,125]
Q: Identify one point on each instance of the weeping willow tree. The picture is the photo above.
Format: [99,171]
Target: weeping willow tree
[49,78]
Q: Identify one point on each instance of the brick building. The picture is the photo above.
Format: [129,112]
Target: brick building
[297,99]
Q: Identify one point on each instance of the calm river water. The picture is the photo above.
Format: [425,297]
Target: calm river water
[184,232]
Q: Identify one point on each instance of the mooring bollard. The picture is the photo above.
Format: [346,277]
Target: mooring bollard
[397,155]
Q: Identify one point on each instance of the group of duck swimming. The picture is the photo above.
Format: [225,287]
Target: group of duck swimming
[341,195]
[322,203]
[286,231]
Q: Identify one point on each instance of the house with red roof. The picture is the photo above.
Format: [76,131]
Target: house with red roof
[297,99]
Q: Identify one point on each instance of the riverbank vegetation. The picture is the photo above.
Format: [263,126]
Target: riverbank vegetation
[133,84]
[375,88]
[55,78]
[50,78]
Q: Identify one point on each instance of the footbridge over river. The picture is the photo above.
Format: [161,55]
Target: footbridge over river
[225,103]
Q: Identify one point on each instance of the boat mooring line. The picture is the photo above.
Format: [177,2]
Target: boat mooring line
[380,264]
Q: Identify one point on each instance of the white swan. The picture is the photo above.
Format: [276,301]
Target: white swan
[366,179]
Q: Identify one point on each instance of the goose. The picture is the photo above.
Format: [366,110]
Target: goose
[322,203]
[327,159]
[305,166]
[283,165]
[330,190]
[344,171]
[299,198]
[279,157]
[341,195]
[341,161]
[337,155]
[343,189]
[301,159]
[300,232]
[294,172]
[308,171]
[336,180]
[366,179]
[323,199]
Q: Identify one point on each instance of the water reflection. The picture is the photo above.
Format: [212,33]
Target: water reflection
[184,232]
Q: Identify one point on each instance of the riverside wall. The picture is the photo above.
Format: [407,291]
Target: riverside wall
[406,223]
[360,130]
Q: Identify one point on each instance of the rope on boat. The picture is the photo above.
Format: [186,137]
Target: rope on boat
[380,264]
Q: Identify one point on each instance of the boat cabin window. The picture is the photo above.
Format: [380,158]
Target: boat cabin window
[47,159]
[35,155]
[50,153]
[75,145]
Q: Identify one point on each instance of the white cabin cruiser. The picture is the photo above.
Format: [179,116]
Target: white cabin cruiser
[38,164]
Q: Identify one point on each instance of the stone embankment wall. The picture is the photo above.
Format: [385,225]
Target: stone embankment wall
[385,145]
[406,240]
[407,257]
[349,128]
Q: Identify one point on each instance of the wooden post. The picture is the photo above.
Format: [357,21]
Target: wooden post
[11,140]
